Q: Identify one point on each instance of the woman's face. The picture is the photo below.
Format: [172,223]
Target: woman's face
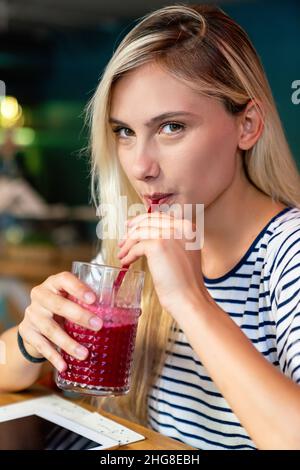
[192,153]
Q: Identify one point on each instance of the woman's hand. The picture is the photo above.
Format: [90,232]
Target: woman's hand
[41,330]
[176,271]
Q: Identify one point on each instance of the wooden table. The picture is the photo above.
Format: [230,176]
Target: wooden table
[153,440]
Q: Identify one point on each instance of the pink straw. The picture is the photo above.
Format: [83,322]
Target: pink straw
[120,277]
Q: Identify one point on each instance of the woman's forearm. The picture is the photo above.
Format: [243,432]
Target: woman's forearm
[16,373]
[266,402]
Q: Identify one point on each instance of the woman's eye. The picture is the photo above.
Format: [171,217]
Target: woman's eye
[123,132]
[169,128]
[173,127]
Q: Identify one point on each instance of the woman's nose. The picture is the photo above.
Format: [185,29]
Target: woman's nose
[145,165]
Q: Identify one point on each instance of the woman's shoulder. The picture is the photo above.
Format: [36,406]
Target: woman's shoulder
[284,229]
[283,243]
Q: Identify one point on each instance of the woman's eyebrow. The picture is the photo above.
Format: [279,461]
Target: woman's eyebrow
[155,119]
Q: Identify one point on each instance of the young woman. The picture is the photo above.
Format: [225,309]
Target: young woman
[184,107]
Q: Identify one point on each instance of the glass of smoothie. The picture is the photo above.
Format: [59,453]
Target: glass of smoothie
[106,370]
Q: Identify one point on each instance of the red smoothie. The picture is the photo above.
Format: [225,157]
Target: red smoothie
[110,350]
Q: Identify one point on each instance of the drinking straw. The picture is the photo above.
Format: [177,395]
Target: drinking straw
[120,277]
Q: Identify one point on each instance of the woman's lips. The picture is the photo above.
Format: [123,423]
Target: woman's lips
[159,201]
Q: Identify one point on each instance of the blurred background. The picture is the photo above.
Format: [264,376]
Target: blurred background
[52,53]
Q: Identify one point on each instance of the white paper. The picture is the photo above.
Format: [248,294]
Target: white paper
[91,425]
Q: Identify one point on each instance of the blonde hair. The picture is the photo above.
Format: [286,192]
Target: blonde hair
[203,47]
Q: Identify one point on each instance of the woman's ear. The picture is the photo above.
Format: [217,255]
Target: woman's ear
[251,125]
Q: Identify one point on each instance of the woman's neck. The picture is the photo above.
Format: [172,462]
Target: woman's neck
[232,223]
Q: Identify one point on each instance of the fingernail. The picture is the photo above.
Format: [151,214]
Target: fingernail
[81,352]
[61,366]
[96,323]
[89,297]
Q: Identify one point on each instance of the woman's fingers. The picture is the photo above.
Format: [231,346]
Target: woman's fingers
[42,322]
[183,228]
[143,233]
[44,347]
[42,327]
[50,329]
[139,219]
[72,285]
[137,250]
[59,305]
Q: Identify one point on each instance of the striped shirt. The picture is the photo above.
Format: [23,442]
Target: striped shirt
[262,296]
